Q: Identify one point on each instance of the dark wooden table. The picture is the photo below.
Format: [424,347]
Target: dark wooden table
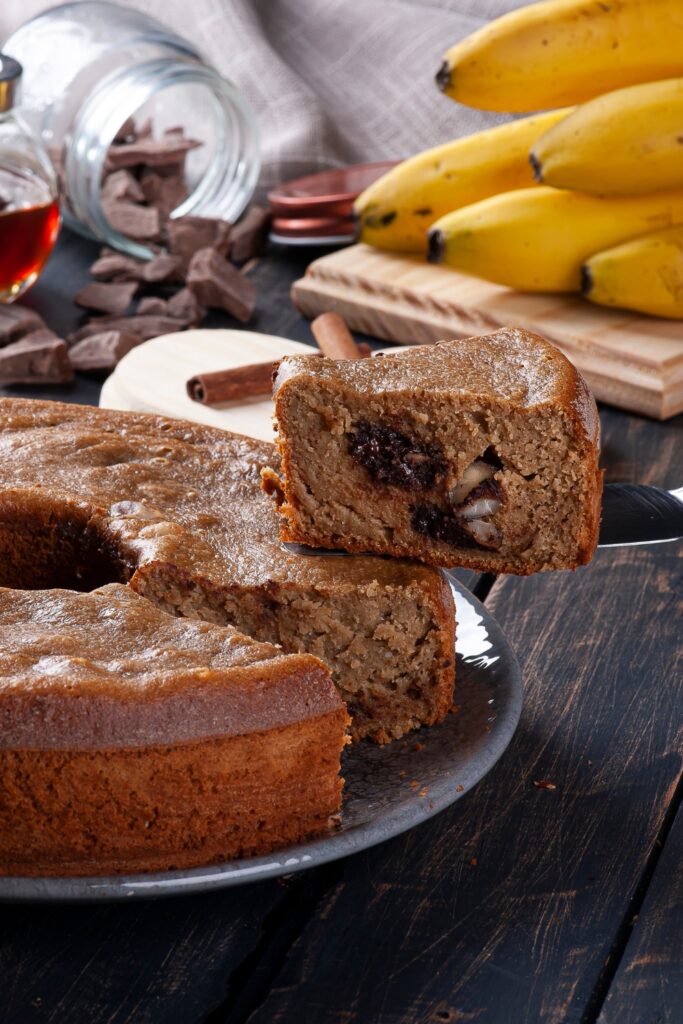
[519,904]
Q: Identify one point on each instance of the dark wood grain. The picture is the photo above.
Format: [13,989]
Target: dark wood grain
[648,986]
[515,906]
[416,931]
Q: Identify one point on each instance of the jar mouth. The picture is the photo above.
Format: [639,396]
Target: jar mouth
[225,187]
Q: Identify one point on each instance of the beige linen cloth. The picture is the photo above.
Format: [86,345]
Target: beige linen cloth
[332,82]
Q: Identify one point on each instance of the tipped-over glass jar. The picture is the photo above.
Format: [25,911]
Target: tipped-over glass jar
[29,201]
[90,67]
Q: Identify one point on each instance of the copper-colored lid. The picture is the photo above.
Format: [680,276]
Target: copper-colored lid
[312,227]
[328,192]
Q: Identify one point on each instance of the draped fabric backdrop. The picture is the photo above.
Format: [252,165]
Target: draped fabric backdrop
[332,81]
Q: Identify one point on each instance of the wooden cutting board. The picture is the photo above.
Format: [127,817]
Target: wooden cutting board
[632,361]
[152,377]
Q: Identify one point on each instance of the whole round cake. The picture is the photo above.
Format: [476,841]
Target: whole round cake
[137,737]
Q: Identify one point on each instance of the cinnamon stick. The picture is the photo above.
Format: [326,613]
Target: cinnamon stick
[335,339]
[241,382]
[231,385]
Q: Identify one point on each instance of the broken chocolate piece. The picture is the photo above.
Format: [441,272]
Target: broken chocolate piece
[391,457]
[137,222]
[184,305]
[165,191]
[186,235]
[163,267]
[154,305]
[16,321]
[107,298]
[216,283]
[170,149]
[122,185]
[112,266]
[249,236]
[36,359]
[126,132]
[145,325]
[102,351]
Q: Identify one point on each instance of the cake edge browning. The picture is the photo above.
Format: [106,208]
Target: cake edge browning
[164,807]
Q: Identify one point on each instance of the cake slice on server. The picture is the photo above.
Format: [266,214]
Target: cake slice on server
[481,452]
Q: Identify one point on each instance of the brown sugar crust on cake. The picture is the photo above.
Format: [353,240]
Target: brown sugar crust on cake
[131,740]
[175,510]
[481,452]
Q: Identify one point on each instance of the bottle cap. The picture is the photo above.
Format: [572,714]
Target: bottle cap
[10,76]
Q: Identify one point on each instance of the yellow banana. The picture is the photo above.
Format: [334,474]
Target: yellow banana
[625,142]
[396,211]
[559,52]
[537,239]
[645,274]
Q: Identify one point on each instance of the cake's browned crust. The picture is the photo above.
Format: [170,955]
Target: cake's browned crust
[175,509]
[131,740]
[510,398]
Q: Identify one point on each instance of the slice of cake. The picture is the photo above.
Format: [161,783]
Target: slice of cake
[131,740]
[481,453]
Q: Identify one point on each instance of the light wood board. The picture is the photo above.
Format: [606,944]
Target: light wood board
[152,377]
[631,361]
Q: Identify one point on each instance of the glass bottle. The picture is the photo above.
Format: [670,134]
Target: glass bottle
[29,201]
[91,66]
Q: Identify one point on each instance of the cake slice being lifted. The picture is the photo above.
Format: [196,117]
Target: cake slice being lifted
[481,452]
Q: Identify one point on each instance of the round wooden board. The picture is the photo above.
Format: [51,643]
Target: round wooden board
[152,377]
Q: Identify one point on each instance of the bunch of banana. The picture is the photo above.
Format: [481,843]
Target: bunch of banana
[626,142]
[396,211]
[606,216]
[560,52]
[645,274]
[538,239]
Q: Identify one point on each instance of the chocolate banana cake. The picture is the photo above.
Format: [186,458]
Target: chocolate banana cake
[131,740]
[481,453]
[176,511]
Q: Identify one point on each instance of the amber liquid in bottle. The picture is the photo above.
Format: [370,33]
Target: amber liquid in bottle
[29,224]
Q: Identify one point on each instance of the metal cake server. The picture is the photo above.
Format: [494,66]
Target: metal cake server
[640,514]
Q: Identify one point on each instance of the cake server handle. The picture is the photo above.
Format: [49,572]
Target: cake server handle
[640,514]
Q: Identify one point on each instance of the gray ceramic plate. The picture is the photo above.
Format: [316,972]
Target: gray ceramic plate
[388,789]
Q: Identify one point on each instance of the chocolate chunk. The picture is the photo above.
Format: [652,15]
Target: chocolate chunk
[39,358]
[391,457]
[170,149]
[122,185]
[102,351]
[154,305]
[145,325]
[184,305]
[248,237]
[186,235]
[126,132]
[440,525]
[107,298]
[138,222]
[16,321]
[164,267]
[112,266]
[163,191]
[216,283]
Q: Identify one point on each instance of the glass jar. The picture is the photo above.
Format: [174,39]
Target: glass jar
[89,67]
[29,199]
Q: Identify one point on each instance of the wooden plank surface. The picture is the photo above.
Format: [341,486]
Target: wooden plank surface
[505,908]
[631,361]
[413,929]
[648,986]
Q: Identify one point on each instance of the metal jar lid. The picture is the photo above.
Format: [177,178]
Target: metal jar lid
[10,77]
